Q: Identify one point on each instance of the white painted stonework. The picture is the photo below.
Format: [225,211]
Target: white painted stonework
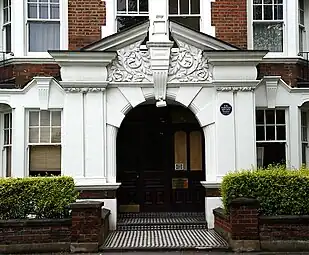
[103,83]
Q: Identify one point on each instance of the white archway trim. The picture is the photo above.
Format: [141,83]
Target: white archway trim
[186,95]
[148,93]
[111,153]
[206,115]
[134,96]
[172,93]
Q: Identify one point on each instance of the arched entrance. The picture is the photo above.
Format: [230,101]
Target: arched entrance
[160,161]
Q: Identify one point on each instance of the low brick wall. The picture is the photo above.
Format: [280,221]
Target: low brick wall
[284,233]
[246,230]
[85,231]
[35,235]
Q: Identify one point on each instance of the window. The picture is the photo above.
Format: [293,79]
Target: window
[44,142]
[7,25]
[131,12]
[43,25]
[270,137]
[301,24]
[186,12]
[304,136]
[7,143]
[268,25]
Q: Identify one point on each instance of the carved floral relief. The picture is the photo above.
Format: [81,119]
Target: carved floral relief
[131,65]
[189,64]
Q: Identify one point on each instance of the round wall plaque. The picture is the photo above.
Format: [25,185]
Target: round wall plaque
[226,109]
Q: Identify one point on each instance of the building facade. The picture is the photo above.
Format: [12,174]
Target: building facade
[148,104]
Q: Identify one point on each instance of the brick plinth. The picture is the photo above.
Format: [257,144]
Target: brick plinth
[87,226]
[86,17]
[230,21]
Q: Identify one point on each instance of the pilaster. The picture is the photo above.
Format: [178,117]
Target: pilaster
[111,153]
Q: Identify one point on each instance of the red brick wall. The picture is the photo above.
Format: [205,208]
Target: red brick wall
[85,20]
[289,72]
[35,231]
[230,21]
[23,73]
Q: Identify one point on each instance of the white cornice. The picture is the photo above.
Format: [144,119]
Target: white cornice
[121,39]
[28,60]
[236,83]
[232,58]
[283,60]
[83,84]
[83,58]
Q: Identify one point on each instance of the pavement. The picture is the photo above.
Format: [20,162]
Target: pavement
[177,253]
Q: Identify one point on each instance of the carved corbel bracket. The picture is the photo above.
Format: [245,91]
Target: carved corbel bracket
[271,84]
[43,84]
[160,59]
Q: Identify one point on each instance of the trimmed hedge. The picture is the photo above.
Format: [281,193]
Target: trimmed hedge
[37,197]
[279,191]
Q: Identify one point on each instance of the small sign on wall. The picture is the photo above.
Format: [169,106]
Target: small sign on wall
[226,109]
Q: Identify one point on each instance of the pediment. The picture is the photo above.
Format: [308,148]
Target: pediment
[139,32]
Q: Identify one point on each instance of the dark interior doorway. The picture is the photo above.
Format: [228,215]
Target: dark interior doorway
[160,161]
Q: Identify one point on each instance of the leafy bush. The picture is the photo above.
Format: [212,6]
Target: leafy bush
[42,197]
[279,191]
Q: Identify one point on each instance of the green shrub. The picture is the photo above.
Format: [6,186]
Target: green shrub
[279,191]
[43,197]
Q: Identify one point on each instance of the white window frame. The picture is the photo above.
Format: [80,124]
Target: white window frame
[4,144]
[274,21]
[287,136]
[301,28]
[30,53]
[250,23]
[304,128]
[4,25]
[27,136]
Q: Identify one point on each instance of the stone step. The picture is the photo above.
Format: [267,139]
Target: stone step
[198,239]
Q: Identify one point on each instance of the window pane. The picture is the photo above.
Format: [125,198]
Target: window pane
[195,6]
[270,116]
[260,117]
[56,118]
[44,36]
[45,135]
[121,5]
[257,1]
[304,134]
[184,6]
[6,15]
[281,133]
[196,151]
[280,116]
[132,5]
[191,22]
[268,37]
[32,11]
[268,12]
[260,134]
[6,137]
[8,38]
[54,11]
[33,118]
[45,118]
[303,118]
[56,135]
[43,11]
[33,135]
[126,22]
[143,5]
[278,12]
[6,121]
[270,133]
[268,1]
[304,152]
[173,6]
[180,148]
[257,12]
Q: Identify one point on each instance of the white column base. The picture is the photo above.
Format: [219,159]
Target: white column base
[210,204]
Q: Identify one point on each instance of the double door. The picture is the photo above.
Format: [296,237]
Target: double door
[160,166]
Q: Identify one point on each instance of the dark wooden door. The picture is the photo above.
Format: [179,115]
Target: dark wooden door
[188,169]
[149,162]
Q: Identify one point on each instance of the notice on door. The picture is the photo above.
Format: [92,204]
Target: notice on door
[180,183]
